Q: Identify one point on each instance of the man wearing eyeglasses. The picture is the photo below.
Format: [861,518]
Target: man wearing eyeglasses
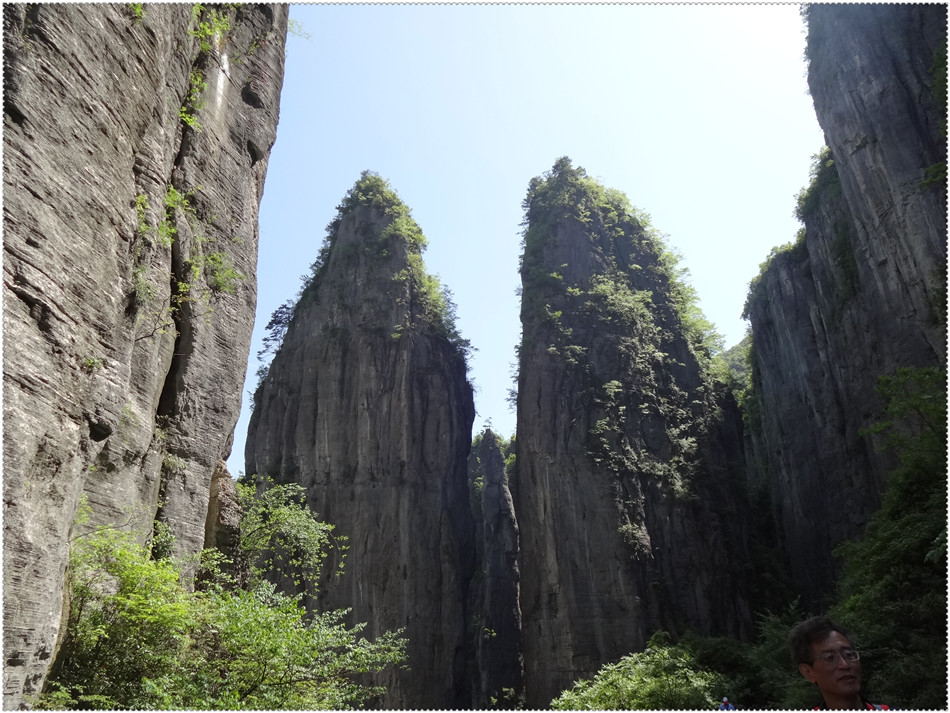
[826,657]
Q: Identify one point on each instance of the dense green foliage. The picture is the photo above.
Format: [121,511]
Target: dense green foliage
[894,587]
[138,638]
[823,182]
[696,672]
[663,677]
[281,538]
[737,361]
[129,621]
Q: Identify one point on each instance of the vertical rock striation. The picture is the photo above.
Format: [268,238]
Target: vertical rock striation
[629,463]
[496,635]
[367,405]
[874,74]
[135,149]
[861,292]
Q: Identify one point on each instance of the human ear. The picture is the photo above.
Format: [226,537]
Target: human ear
[805,670]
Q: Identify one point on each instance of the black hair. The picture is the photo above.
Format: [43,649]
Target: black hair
[808,632]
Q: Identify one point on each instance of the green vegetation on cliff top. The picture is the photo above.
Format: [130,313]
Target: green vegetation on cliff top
[627,291]
[431,305]
[823,184]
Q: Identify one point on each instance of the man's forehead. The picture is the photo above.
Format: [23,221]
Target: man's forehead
[835,640]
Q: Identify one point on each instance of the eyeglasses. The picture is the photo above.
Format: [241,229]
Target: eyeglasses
[830,658]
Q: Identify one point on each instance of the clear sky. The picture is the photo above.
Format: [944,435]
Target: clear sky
[698,113]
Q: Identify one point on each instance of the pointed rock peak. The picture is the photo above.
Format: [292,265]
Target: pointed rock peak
[367,406]
[373,242]
[589,252]
[369,217]
[374,192]
[575,228]
[567,190]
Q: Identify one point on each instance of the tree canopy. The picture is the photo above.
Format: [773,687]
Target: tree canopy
[662,677]
[138,638]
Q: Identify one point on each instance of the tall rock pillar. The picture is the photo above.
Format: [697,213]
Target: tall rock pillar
[628,468]
[367,405]
[496,612]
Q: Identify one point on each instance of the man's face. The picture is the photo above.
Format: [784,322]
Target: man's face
[839,679]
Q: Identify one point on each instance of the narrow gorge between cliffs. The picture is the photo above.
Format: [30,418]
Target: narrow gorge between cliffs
[661,496]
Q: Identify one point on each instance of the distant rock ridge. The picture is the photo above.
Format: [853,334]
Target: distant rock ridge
[863,290]
[135,151]
[496,611]
[367,405]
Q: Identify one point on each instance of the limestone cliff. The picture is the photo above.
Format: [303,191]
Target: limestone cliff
[136,140]
[366,404]
[629,465]
[861,292]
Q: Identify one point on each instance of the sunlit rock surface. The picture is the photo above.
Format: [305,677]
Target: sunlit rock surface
[119,384]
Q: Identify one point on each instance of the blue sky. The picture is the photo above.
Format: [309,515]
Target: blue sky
[698,113]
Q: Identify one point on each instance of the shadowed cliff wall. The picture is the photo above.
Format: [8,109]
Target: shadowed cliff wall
[862,291]
[498,661]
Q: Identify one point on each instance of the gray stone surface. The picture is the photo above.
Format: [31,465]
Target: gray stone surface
[223,523]
[627,489]
[863,294]
[496,635]
[368,408]
[871,78]
[109,394]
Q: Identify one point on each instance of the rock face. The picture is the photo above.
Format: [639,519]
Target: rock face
[862,291]
[628,464]
[223,524]
[135,149]
[367,405]
[877,98]
[496,635]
